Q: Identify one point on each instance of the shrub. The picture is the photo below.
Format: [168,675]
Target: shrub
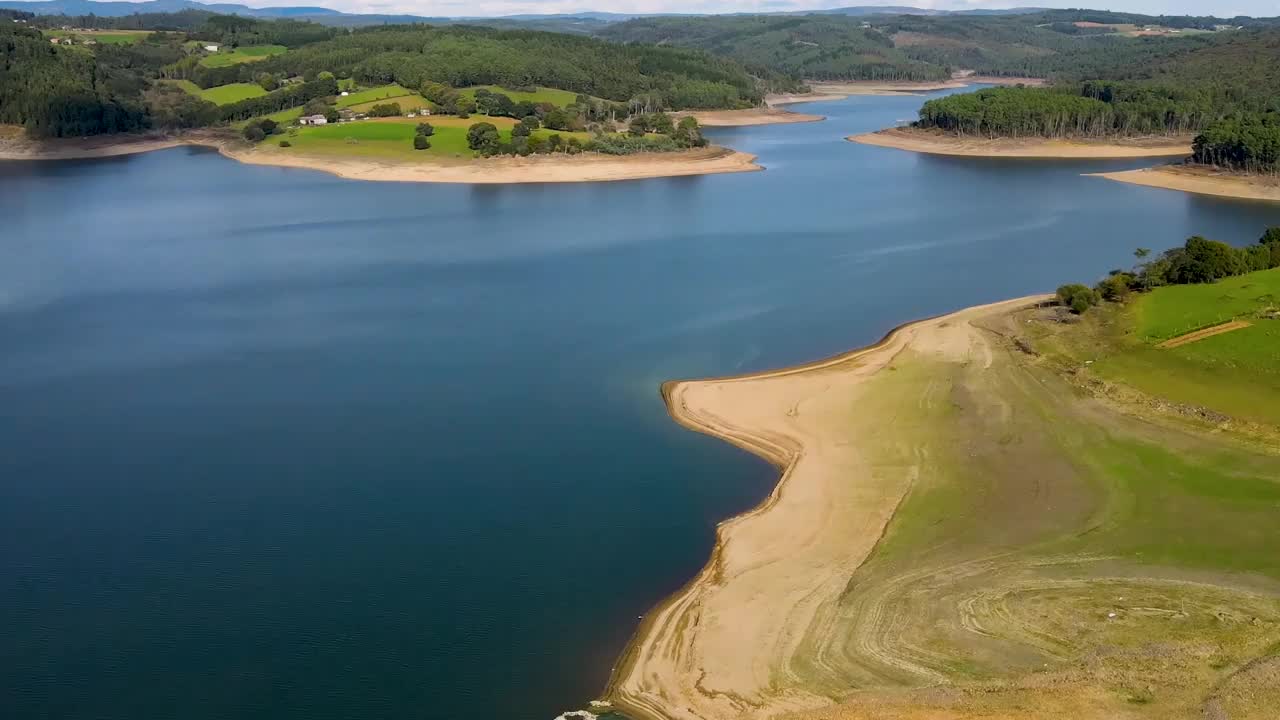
[420,142]
[426,129]
[285,143]
[253,133]
[1077,297]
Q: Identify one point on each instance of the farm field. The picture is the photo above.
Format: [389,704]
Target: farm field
[249,53]
[235,92]
[382,93]
[540,95]
[223,94]
[110,37]
[394,138]
[1235,373]
[407,103]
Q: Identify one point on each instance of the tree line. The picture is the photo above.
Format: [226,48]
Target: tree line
[1088,109]
[1198,260]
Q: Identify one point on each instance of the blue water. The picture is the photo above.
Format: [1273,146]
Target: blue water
[279,445]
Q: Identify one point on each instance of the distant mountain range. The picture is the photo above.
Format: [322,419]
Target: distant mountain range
[335,17]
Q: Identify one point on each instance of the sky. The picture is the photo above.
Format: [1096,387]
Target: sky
[1221,8]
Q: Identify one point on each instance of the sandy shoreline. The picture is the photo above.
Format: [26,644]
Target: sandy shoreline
[937,143]
[754,116]
[719,647]
[1201,181]
[540,169]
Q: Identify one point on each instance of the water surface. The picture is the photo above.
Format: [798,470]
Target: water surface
[279,445]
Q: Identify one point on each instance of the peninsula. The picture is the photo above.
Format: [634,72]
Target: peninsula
[975,514]
[942,143]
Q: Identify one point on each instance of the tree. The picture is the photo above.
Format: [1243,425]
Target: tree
[253,133]
[420,142]
[1205,260]
[268,126]
[268,81]
[639,125]
[483,138]
[538,144]
[391,109]
[520,131]
[530,122]
[1271,236]
[661,122]
[426,129]
[1077,297]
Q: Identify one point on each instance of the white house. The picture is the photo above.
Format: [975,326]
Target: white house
[313,120]
[345,93]
[211,48]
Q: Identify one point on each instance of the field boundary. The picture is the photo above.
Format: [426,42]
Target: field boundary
[1201,334]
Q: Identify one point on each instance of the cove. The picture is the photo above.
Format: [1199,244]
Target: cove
[281,445]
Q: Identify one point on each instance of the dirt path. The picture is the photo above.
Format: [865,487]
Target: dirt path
[1202,334]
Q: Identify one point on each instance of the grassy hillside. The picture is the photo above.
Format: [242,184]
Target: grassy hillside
[247,54]
[1235,374]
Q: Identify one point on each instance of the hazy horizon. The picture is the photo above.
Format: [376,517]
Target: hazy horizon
[476,8]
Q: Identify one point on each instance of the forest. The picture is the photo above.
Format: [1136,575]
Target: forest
[63,91]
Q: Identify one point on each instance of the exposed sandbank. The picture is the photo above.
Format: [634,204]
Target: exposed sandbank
[874,87]
[940,143]
[753,116]
[589,167]
[716,650]
[539,169]
[1202,181]
[14,145]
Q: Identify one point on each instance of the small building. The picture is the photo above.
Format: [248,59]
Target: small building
[313,120]
[412,115]
[345,93]
[211,48]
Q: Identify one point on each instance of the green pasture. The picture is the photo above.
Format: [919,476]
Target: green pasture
[394,139]
[1180,309]
[248,53]
[381,93]
[556,97]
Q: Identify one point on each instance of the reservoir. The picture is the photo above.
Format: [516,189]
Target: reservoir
[279,445]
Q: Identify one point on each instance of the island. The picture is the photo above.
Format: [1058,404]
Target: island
[1053,506]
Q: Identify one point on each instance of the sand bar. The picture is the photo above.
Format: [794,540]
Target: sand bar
[939,143]
[15,146]
[1202,181]
[752,116]
[727,645]
[588,167]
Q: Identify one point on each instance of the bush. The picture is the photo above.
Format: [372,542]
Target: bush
[1077,297]
[253,133]
[420,142]
[426,129]
[483,138]
[285,143]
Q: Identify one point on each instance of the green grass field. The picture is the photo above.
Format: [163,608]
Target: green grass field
[1236,373]
[1180,309]
[249,53]
[407,103]
[540,95]
[394,139]
[370,95]
[235,92]
[223,94]
[109,37]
